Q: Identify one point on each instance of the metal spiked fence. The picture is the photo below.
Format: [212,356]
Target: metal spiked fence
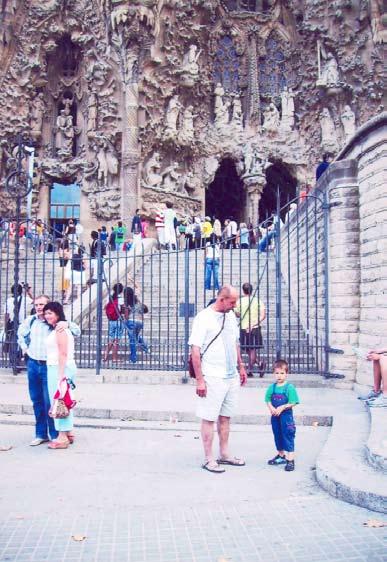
[284,259]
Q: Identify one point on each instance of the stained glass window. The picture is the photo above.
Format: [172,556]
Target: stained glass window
[272,69]
[226,65]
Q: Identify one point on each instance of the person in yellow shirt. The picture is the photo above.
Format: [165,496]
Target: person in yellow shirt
[207,230]
[252,313]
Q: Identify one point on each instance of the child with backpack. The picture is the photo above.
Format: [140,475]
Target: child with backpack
[115,330]
[281,397]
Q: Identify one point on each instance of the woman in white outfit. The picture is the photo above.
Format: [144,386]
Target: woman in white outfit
[170,228]
[60,366]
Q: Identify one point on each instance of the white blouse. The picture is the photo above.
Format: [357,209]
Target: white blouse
[53,352]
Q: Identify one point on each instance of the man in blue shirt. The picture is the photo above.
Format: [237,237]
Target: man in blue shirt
[136,229]
[32,335]
[322,167]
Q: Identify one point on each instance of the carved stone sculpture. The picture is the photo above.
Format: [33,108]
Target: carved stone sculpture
[154,82]
[187,131]
[271,118]
[37,113]
[348,122]
[65,133]
[221,108]
[328,132]
[172,116]
[102,165]
[188,184]
[254,163]
[237,113]
[93,112]
[107,162]
[190,67]
[112,160]
[330,73]
[171,178]
[287,109]
[151,172]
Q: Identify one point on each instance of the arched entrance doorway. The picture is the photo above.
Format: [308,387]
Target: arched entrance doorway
[277,177]
[225,196]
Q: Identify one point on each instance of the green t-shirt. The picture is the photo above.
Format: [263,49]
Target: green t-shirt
[120,233]
[288,389]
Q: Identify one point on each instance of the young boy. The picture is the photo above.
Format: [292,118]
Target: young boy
[280,398]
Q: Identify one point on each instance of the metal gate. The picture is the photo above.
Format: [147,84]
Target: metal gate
[285,261]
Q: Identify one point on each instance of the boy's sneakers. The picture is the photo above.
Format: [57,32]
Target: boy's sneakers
[277,460]
[379,402]
[289,466]
[370,396]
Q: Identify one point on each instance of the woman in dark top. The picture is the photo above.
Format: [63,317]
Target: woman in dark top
[133,313]
[77,275]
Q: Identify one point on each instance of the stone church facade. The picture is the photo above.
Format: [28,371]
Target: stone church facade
[136,103]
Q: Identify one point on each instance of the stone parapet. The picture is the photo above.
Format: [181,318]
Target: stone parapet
[357,248]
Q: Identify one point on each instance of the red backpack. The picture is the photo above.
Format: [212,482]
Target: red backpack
[111,310]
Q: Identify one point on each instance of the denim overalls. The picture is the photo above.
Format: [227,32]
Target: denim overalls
[283,426]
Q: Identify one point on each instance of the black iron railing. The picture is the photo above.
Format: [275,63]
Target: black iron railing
[286,265]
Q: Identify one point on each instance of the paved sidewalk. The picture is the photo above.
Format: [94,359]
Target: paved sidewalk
[178,399]
[141,496]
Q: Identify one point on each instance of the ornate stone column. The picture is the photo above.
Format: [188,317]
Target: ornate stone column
[253,115]
[254,187]
[129,180]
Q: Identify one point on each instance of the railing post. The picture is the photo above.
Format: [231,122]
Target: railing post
[325,207]
[278,280]
[100,274]
[186,311]
[16,297]
[19,185]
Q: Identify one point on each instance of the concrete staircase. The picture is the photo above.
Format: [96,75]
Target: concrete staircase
[163,280]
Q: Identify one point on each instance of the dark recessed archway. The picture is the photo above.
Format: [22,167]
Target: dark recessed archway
[279,178]
[225,196]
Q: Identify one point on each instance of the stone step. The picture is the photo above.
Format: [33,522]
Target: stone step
[159,377]
[341,468]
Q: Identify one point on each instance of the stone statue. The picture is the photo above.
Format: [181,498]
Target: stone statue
[102,164]
[248,158]
[348,121]
[221,107]
[112,160]
[330,73]
[287,109]
[378,27]
[254,162]
[190,67]
[188,183]
[237,113]
[93,111]
[65,133]
[104,4]
[187,131]
[271,118]
[37,113]
[171,178]
[328,131]
[172,116]
[107,161]
[151,175]
[67,102]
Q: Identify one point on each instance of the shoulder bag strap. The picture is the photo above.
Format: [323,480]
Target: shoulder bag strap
[217,335]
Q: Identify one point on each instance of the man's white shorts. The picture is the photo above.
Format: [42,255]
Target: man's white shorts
[221,399]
